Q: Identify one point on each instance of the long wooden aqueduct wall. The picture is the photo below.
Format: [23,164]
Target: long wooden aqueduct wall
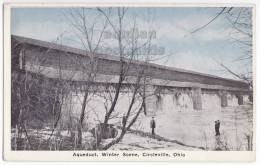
[51,63]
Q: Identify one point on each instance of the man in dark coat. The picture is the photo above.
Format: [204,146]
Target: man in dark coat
[217,126]
[152,125]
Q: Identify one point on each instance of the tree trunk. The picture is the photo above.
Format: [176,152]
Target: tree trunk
[82,116]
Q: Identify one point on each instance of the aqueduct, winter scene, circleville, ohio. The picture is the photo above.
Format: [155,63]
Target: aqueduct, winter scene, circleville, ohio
[91,79]
[168,89]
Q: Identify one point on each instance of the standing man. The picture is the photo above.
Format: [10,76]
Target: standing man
[217,126]
[152,125]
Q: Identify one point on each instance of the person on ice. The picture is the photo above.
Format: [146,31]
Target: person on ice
[217,126]
[152,125]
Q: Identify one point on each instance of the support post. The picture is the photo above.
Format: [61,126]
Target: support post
[250,97]
[223,99]
[240,99]
[196,98]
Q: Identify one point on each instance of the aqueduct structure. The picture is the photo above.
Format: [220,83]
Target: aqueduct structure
[53,62]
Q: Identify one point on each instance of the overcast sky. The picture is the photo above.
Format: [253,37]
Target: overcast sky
[197,51]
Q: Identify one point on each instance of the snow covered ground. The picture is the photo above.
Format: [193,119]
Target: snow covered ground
[136,142]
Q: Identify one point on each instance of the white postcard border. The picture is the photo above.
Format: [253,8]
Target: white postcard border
[216,156]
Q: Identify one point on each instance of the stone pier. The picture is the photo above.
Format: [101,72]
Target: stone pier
[196,98]
[240,99]
[223,98]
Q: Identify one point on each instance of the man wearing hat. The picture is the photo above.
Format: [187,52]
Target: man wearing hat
[152,125]
[217,126]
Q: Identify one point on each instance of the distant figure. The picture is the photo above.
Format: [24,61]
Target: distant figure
[124,120]
[152,125]
[69,129]
[217,126]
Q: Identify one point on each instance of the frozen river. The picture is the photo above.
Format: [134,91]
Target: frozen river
[197,127]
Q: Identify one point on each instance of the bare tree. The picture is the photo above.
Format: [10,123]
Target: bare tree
[90,33]
[33,98]
[240,19]
[131,49]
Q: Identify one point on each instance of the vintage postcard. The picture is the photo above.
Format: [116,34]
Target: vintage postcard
[129,82]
